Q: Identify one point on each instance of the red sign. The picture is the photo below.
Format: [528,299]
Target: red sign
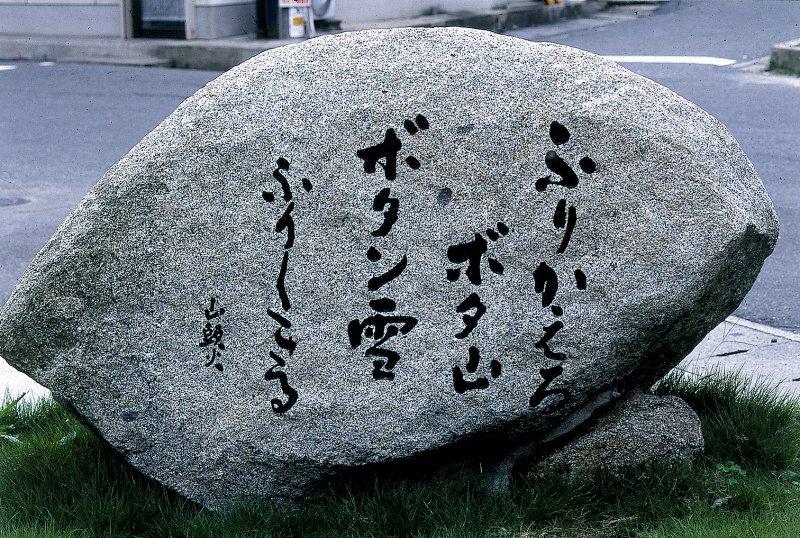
[294,3]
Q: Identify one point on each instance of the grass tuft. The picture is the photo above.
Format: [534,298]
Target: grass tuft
[743,420]
[58,479]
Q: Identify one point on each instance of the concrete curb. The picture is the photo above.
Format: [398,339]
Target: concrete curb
[786,56]
[222,54]
[635,2]
[787,335]
[212,55]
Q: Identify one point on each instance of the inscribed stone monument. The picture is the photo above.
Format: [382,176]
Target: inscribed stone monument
[371,246]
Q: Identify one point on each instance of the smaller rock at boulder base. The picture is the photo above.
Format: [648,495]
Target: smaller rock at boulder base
[641,429]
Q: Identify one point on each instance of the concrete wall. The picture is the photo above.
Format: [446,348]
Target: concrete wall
[213,18]
[223,18]
[61,17]
[373,10]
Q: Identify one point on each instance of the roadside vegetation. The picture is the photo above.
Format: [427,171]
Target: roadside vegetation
[57,479]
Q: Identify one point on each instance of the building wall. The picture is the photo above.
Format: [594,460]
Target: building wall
[373,10]
[224,18]
[60,17]
[212,18]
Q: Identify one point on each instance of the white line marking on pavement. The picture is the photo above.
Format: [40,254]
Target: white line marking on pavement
[794,337]
[699,60]
[7,67]
[46,64]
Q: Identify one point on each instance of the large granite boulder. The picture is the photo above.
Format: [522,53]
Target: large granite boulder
[371,246]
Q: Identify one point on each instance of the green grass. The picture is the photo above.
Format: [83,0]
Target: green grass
[742,421]
[781,71]
[54,482]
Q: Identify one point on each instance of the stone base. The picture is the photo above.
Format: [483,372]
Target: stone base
[639,430]
[614,435]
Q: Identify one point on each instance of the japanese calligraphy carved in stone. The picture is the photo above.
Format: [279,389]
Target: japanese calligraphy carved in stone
[372,246]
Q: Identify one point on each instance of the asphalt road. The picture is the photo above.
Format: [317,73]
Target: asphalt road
[62,126]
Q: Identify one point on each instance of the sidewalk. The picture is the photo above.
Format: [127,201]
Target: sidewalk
[222,54]
[758,351]
[14,383]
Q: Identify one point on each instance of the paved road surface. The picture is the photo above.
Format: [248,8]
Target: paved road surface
[62,126]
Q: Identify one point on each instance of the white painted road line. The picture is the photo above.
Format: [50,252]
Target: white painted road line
[7,67]
[697,60]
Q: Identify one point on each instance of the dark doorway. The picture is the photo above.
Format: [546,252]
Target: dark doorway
[267,18]
[159,18]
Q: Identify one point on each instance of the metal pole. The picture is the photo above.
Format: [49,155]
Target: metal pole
[311,29]
[190,19]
